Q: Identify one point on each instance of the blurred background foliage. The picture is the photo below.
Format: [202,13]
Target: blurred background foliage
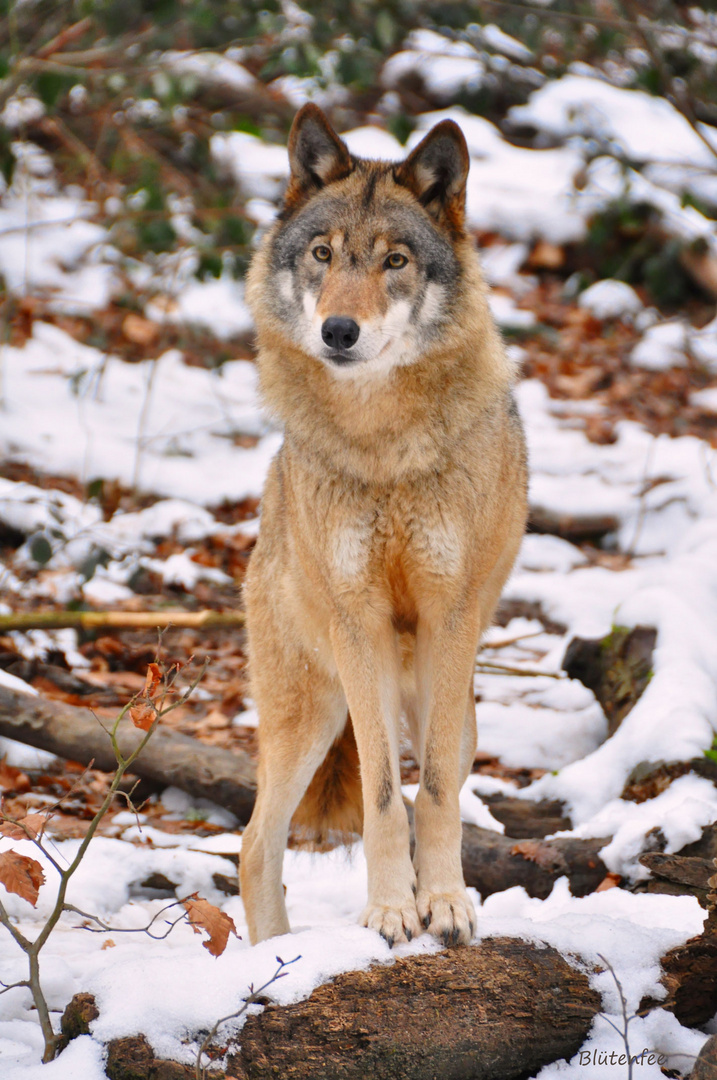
[134,131]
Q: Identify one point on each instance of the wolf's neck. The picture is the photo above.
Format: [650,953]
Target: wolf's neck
[405,423]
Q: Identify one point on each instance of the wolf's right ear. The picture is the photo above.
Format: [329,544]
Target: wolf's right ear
[316,154]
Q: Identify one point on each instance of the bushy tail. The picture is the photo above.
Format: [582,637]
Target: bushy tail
[331,811]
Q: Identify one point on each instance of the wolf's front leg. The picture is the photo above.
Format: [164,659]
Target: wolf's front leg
[445,658]
[302,712]
[369,668]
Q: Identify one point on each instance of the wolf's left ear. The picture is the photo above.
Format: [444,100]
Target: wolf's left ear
[316,154]
[436,173]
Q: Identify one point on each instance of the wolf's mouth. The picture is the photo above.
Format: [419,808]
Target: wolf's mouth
[343,359]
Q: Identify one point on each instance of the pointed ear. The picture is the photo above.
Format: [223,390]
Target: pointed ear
[316,154]
[436,173]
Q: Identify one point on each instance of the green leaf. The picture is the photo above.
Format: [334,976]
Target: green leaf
[40,549]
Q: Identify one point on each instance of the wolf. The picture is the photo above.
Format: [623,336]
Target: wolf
[391,517]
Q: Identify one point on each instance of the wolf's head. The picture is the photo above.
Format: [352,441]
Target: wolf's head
[363,262]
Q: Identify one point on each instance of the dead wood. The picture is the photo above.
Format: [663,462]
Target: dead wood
[493,862]
[498,1010]
[691,875]
[573,527]
[226,777]
[617,668]
[690,976]
[523,818]
[119,620]
[706,1063]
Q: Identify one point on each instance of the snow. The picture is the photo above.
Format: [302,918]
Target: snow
[446,67]
[675,343]
[217,305]
[260,169]
[641,127]
[211,68]
[497,39]
[162,422]
[179,432]
[610,299]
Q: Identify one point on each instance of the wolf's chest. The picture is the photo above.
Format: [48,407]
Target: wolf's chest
[395,552]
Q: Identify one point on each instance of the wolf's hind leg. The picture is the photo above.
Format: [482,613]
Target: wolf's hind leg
[299,719]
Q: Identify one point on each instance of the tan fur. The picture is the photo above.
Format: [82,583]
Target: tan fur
[391,518]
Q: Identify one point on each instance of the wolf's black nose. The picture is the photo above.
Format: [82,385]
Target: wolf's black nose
[339,332]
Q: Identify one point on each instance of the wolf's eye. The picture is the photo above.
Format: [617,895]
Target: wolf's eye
[395,261]
[322,253]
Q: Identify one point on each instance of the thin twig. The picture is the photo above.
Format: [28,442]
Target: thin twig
[200,1071]
[103,928]
[487,667]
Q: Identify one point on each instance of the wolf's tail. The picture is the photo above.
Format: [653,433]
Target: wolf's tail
[331,810]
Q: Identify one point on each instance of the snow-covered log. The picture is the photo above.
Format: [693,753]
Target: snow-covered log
[501,1009]
[494,1011]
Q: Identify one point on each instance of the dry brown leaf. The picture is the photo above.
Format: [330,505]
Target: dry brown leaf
[154,678]
[547,256]
[138,330]
[544,856]
[202,915]
[26,828]
[610,881]
[21,875]
[12,779]
[142,715]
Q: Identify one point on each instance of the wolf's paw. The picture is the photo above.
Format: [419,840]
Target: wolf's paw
[448,916]
[395,924]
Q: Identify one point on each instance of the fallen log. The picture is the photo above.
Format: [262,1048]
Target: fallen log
[572,527]
[498,1010]
[491,862]
[522,818]
[227,778]
[617,668]
[119,620]
[690,977]
[494,1011]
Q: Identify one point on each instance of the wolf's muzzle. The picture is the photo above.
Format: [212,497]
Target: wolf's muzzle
[338,332]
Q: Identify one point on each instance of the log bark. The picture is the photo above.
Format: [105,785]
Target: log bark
[227,778]
[495,1011]
[690,976]
[617,668]
[523,818]
[492,862]
[573,527]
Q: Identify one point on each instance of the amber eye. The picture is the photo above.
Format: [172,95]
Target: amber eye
[322,253]
[395,261]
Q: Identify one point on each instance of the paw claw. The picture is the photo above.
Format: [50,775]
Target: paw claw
[448,916]
[394,924]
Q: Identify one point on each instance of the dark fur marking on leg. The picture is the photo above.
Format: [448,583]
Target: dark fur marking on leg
[385,789]
[431,780]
